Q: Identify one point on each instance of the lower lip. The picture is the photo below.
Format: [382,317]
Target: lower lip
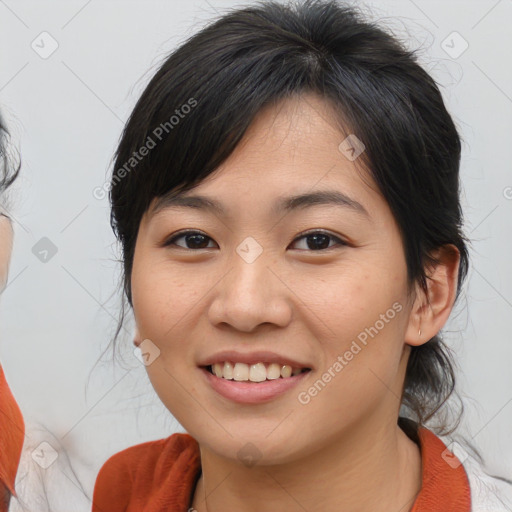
[252,392]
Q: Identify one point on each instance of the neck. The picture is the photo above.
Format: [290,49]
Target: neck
[368,469]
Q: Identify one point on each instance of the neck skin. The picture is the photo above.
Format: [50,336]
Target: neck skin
[371,469]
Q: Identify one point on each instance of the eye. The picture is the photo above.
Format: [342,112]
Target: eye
[315,240]
[319,240]
[195,238]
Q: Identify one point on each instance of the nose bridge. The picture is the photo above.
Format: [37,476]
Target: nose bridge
[250,277]
[249,294]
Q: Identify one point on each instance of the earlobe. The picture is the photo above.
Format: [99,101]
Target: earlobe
[430,312]
[137,338]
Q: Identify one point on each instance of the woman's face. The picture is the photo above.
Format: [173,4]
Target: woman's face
[253,282]
[6,235]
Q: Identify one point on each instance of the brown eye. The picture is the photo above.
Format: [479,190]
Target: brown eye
[319,240]
[193,240]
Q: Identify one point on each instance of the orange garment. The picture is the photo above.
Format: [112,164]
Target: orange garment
[12,433]
[162,475]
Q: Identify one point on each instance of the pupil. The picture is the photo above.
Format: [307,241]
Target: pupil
[323,238]
[196,244]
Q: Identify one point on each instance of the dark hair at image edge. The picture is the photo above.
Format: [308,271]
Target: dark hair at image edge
[9,170]
[256,56]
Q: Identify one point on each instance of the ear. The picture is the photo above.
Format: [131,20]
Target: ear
[430,313]
[137,339]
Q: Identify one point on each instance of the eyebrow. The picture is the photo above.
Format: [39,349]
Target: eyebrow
[282,205]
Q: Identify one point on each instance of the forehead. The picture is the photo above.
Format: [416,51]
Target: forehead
[289,159]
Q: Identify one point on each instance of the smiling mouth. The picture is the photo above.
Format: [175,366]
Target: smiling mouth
[259,372]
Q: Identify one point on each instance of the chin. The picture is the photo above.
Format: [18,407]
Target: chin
[253,446]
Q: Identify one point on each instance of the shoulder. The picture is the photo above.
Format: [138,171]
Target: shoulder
[12,433]
[488,493]
[151,457]
[166,466]
[445,485]
[455,467]
[48,475]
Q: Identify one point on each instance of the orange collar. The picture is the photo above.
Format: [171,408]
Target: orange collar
[12,433]
[445,485]
[162,475]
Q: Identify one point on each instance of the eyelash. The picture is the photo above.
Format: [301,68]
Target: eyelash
[181,234]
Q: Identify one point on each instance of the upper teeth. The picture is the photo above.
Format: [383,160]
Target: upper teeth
[255,372]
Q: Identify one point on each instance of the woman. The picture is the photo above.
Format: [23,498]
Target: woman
[24,460]
[286,194]
[12,428]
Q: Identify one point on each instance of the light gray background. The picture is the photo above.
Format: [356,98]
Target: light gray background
[66,112]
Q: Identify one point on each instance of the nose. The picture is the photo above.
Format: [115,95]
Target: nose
[251,294]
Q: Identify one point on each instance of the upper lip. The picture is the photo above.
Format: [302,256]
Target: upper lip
[251,358]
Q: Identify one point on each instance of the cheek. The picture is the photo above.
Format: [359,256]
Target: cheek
[5,248]
[363,322]
[360,372]
[162,297]
[348,301]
